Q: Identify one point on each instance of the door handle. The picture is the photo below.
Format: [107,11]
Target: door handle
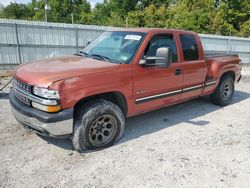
[178,71]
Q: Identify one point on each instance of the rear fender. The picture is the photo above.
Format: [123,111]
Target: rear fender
[217,68]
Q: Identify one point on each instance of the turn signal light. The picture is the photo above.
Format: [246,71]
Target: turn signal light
[46,108]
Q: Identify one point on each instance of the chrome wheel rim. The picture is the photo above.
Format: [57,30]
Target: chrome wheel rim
[227,90]
[102,130]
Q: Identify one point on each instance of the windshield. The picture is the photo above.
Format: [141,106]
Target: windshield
[116,46]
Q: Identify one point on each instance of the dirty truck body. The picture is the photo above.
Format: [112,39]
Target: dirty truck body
[123,73]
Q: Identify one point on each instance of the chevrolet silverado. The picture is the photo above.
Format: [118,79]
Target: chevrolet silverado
[120,74]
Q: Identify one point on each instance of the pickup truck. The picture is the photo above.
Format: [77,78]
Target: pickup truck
[122,73]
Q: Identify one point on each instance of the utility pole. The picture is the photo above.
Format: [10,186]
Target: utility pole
[229,41]
[72,18]
[46,9]
[46,19]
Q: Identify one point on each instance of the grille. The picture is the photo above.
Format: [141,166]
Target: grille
[23,86]
[22,98]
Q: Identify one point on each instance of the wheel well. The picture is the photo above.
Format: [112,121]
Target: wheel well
[230,73]
[114,97]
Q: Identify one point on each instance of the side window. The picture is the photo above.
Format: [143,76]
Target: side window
[189,47]
[159,41]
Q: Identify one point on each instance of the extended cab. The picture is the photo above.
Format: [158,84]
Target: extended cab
[122,73]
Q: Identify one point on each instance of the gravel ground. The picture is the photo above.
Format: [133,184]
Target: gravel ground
[194,144]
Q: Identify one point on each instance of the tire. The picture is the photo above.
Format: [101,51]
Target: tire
[100,124]
[224,92]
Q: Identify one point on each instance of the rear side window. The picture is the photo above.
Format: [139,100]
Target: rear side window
[189,47]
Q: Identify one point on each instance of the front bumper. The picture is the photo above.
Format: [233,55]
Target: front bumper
[48,124]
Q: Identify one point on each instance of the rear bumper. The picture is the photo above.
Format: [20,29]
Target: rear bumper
[48,124]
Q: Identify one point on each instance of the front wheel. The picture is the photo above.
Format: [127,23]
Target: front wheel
[224,91]
[100,124]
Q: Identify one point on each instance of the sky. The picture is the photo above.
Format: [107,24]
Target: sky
[6,2]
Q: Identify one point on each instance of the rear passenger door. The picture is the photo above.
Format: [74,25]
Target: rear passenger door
[192,66]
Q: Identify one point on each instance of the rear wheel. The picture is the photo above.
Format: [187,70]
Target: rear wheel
[224,91]
[99,124]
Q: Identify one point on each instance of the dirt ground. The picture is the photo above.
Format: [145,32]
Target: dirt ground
[194,144]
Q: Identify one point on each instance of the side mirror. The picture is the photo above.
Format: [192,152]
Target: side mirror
[163,58]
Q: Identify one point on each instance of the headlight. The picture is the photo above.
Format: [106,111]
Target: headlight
[46,93]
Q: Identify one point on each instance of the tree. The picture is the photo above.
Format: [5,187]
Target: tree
[17,11]
[235,16]
[142,4]
[122,7]
[155,16]
[1,10]
[191,15]
[116,20]
[136,19]
[101,13]
[220,26]
[235,12]
[245,29]
[81,11]
[61,11]
[222,17]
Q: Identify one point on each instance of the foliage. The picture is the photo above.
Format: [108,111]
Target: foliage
[101,13]
[17,11]
[62,11]
[245,29]
[222,17]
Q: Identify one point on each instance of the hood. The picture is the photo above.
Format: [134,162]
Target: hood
[45,72]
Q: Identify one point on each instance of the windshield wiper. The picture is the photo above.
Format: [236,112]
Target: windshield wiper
[105,58]
[97,56]
[102,57]
[82,53]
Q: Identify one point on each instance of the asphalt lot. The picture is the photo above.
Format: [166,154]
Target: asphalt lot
[194,144]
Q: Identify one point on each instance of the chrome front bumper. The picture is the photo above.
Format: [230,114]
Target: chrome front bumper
[48,124]
[56,129]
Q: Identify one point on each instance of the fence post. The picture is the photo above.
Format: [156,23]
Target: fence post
[17,44]
[228,44]
[77,44]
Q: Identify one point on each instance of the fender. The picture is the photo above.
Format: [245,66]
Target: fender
[75,89]
[219,66]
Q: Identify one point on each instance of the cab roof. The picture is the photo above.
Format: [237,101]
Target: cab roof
[151,30]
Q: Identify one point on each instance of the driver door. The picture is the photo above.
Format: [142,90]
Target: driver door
[156,87]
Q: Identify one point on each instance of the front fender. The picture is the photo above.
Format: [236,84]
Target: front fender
[75,89]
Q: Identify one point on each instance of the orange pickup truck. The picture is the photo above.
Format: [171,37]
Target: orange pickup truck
[122,73]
